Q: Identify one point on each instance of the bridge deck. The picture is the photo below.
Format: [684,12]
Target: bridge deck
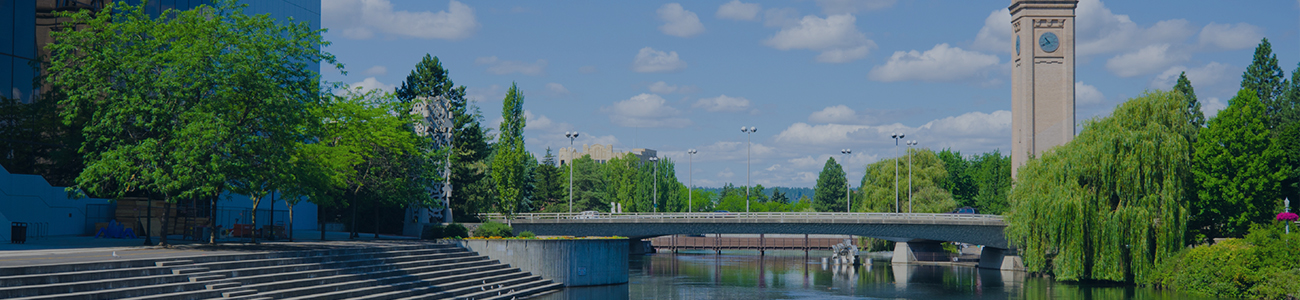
[748,218]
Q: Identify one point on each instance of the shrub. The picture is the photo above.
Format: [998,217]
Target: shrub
[489,229]
[527,234]
[1261,266]
[432,232]
[455,230]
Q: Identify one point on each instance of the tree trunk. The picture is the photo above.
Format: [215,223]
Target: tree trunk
[253,217]
[354,234]
[212,222]
[376,209]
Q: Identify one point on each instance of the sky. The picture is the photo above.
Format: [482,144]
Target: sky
[814,77]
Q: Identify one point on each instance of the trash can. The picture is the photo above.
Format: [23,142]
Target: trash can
[18,233]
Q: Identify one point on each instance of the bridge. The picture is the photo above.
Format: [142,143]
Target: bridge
[913,232]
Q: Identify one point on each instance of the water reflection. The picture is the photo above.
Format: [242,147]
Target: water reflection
[794,275]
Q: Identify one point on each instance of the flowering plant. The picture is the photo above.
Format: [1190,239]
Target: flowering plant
[1287,216]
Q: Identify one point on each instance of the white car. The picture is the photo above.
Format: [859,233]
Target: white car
[590,214]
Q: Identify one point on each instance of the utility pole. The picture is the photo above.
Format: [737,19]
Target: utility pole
[896,137]
[571,136]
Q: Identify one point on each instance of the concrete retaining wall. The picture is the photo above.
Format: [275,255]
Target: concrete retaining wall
[571,262]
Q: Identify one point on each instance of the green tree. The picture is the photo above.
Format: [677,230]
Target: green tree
[757,194]
[1267,80]
[877,189]
[550,189]
[1184,88]
[589,186]
[778,196]
[1109,204]
[991,174]
[959,182]
[828,195]
[622,176]
[509,165]
[1240,168]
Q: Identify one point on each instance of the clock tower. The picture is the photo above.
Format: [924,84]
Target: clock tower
[1042,77]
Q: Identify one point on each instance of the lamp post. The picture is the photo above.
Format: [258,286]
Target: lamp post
[896,137]
[571,136]
[690,175]
[655,173]
[748,144]
[848,206]
[909,174]
[1286,204]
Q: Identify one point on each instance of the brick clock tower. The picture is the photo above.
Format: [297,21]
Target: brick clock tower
[1042,77]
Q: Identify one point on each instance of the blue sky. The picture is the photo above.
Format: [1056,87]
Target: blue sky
[814,77]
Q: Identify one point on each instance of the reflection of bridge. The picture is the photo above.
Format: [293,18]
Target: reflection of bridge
[914,232]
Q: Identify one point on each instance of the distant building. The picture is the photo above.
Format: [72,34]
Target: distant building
[603,153]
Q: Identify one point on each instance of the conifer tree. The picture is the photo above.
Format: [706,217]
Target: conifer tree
[829,194]
[1194,113]
[1267,80]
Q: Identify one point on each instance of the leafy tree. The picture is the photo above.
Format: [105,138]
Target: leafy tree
[589,186]
[876,193]
[803,205]
[622,174]
[1265,78]
[1240,168]
[508,165]
[733,202]
[667,182]
[1108,205]
[959,182]
[831,188]
[702,199]
[991,174]
[756,194]
[1184,88]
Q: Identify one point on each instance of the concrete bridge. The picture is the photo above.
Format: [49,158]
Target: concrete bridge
[912,232]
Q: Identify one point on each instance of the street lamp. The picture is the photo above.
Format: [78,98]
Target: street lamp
[690,175]
[571,135]
[748,144]
[848,207]
[896,137]
[909,174]
[655,173]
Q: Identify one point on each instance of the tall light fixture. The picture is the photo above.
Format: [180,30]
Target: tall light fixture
[748,144]
[848,206]
[896,137]
[909,174]
[690,175]
[571,135]
[655,173]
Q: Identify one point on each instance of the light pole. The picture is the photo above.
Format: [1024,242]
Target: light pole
[896,137]
[1286,203]
[848,206]
[690,175]
[571,136]
[748,144]
[909,174]
[655,173]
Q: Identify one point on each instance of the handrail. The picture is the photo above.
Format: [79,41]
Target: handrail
[742,215]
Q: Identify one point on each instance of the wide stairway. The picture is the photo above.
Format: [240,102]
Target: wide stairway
[391,271]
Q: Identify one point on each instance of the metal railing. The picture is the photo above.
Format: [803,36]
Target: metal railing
[752,215]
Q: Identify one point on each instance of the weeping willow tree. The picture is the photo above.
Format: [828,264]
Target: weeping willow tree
[1111,204]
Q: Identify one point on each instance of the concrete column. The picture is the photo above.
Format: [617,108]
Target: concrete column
[907,252]
[1001,259]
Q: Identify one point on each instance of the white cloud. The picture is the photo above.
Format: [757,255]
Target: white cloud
[662,88]
[557,88]
[836,36]
[839,114]
[973,131]
[736,10]
[732,150]
[942,63]
[723,103]
[823,134]
[1145,61]
[362,19]
[1100,31]
[370,83]
[1086,94]
[484,94]
[1212,106]
[1230,36]
[726,173]
[542,123]
[375,70]
[996,35]
[781,17]
[645,110]
[649,60]
[502,67]
[678,21]
[1211,75]
[833,7]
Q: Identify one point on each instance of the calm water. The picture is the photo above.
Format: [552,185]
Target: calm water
[791,275]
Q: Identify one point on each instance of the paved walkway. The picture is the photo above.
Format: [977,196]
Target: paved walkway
[76,249]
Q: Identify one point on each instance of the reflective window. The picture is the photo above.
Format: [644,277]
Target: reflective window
[6,27]
[6,76]
[25,29]
[23,75]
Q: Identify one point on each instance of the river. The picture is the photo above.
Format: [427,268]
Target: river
[792,275]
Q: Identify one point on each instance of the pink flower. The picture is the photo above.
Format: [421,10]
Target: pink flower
[1287,216]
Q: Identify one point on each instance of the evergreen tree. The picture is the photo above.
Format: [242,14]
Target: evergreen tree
[589,187]
[509,172]
[829,194]
[1265,78]
[1240,168]
[778,196]
[756,194]
[959,182]
[1184,87]
[550,187]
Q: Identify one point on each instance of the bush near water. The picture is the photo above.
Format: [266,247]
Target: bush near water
[1264,265]
[490,229]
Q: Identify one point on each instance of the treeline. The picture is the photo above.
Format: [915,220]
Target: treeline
[938,183]
[1123,199]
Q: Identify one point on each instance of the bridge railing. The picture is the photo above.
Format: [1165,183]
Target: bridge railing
[751,215]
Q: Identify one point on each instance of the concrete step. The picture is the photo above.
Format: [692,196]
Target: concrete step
[278,261]
[222,285]
[354,288]
[279,269]
[198,259]
[89,285]
[126,292]
[189,271]
[545,287]
[237,293]
[203,278]
[472,285]
[433,264]
[423,286]
[501,287]
[491,286]
[173,263]
[89,275]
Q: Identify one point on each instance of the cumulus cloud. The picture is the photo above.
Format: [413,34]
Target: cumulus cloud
[973,131]
[1145,61]
[833,7]
[781,17]
[1101,31]
[1212,74]
[502,67]
[375,70]
[645,110]
[557,88]
[722,103]
[837,37]
[941,63]
[996,35]
[1086,94]
[1211,107]
[740,11]
[1230,36]
[363,19]
[678,21]
[649,60]
[821,134]
[370,83]
[839,114]
[732,150]
[493,92]
[662,88]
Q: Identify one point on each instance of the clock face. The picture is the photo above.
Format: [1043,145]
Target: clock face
[1048,42]
[1017,45]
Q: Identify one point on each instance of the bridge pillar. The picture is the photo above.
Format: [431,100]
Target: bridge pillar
[1001,259]
[905,252]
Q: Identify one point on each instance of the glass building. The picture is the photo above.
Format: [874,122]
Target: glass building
[25,27]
